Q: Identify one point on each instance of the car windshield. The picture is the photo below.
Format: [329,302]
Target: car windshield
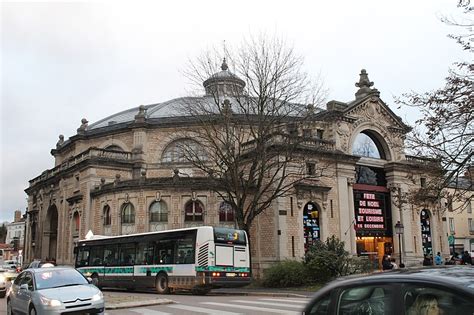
[55,278]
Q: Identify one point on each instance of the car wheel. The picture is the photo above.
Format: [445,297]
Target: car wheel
[9,308]
[162,284]
[32,310]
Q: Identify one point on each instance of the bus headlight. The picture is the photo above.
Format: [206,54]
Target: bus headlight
[49,302]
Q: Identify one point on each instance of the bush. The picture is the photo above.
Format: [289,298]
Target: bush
[288,273]
[327,260]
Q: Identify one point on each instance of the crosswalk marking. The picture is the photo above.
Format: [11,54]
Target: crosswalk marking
[201,309]
[286,300]
[267,303]
[254,308]
[147,311]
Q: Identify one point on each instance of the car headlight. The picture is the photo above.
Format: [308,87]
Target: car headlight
[2,278]
[49,302]
[97,297]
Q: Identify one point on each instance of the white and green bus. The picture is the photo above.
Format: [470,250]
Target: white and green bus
[196,259]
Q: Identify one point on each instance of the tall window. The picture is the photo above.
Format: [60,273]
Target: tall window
[193,211]
[158,212]
[128,213]
[451,225]
[182,151]
[76,221]
[226,212]
[106,214]
[470,225]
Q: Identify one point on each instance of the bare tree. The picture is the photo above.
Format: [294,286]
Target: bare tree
[250,123]
[446,130]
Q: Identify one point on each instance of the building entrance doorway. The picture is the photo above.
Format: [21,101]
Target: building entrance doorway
[374,248]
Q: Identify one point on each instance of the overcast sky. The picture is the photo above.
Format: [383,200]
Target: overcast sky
[64,61]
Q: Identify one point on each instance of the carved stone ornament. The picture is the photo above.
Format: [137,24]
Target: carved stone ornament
[158,196]
[127,200]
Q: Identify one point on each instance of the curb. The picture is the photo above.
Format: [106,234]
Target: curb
[116,306]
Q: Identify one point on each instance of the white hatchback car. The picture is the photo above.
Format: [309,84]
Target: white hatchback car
[54,290]
[3,285]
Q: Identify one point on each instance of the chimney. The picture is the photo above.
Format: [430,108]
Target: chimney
[17,215]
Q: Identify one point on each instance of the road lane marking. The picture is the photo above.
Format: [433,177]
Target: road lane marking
[147,311]
[284,300]
[201,309]
[267,303]
[253,308]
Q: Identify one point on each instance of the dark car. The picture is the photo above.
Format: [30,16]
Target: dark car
[440,290]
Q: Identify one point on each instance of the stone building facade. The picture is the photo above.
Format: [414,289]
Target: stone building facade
[124,174]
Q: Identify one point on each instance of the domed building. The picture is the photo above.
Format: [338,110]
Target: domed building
[125,174]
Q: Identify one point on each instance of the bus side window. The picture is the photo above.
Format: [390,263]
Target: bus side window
[127,254]
[111,255]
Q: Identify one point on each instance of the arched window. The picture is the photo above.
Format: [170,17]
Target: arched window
[367,145]
[226,212]
[182,151]
[128,213]
[77,221]
[107,216]
[193,211]
[158,212]
[114,147]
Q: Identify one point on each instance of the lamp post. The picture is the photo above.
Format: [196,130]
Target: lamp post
[399,230]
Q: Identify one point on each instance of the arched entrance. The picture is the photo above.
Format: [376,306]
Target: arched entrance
[425,223]
[51,233]
[311,224]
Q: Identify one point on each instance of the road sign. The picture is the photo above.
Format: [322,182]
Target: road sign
[451,239]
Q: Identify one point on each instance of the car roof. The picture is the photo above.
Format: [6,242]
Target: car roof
[455,276]
[45,269]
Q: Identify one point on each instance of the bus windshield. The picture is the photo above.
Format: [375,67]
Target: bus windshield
[229,236]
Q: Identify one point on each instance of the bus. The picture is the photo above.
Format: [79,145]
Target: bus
[197,259]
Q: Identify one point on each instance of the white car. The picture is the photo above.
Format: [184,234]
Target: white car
[3,285]
[56,290]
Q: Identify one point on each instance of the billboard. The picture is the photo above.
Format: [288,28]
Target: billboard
[372,217]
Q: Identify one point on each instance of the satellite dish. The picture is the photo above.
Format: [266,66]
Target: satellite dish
[89,235]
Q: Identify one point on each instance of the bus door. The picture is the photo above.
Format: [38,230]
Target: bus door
[111,262]
[124,272]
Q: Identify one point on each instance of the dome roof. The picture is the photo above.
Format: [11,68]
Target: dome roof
[224,82]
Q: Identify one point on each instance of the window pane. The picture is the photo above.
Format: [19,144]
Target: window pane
[145,253]
[421,299]
[128,213]
[96,256]
[111,255]
[321,307]
[226,213]
[159,212]
[82,257]
[366,300]
[365,146]
[164,252]
[127,254]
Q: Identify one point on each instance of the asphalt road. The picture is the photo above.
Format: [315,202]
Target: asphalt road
[210,304]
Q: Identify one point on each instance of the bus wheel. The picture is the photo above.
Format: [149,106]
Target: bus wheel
[200,291]
[161,284]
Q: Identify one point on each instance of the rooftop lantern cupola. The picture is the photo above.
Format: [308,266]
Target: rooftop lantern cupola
[224,83]
[364,85]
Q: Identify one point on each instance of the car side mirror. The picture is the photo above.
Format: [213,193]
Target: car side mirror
[89,279]
[24,287]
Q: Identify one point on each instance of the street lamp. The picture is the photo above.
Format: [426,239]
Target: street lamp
[399,231]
